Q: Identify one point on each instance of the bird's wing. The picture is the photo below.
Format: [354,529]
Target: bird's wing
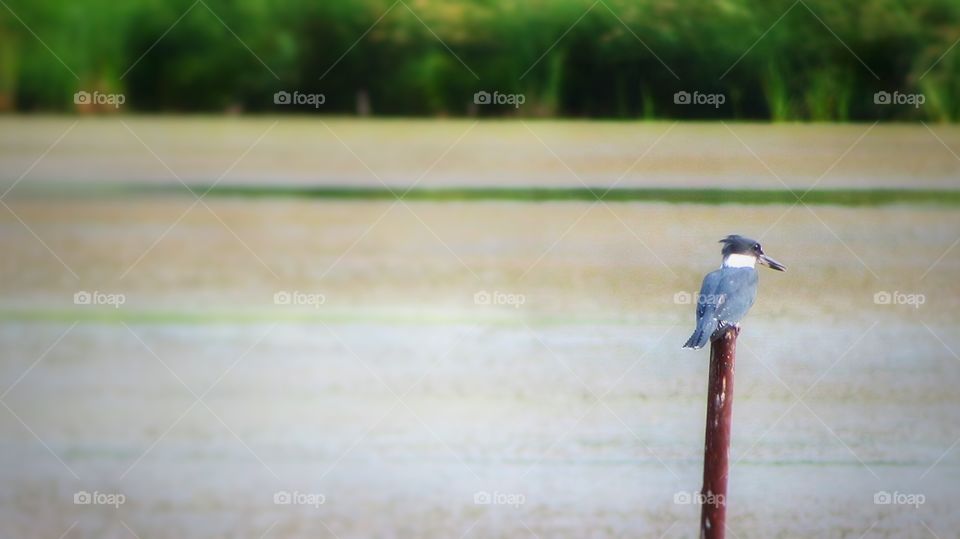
[735,292]
[707,289]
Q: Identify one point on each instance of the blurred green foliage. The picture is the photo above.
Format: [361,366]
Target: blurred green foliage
[823,60]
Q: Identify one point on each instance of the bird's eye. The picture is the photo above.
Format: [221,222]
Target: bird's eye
[756,247]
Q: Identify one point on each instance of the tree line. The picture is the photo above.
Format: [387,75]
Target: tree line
[781,60]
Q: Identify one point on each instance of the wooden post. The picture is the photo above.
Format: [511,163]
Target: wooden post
[713,499]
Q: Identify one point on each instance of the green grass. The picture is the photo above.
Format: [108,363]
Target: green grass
[839,197]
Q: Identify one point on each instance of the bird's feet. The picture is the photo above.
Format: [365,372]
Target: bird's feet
[724,329]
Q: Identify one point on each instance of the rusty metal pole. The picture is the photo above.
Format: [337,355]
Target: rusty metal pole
[713,512]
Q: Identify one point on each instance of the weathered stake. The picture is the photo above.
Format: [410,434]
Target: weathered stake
[713,513]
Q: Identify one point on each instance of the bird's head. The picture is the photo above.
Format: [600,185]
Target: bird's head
[739,251]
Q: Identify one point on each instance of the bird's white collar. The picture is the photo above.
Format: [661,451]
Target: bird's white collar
[739,261]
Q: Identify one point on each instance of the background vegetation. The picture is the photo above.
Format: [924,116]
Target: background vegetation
[823,60]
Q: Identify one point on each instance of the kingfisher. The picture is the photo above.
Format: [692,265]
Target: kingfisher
[728,293]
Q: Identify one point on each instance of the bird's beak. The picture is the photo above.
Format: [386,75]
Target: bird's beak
[771,263]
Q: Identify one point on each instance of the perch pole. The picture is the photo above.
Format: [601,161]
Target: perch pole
[713,495]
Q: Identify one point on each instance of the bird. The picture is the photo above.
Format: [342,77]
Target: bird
[728,293]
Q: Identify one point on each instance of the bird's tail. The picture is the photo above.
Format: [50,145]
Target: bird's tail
[700,337]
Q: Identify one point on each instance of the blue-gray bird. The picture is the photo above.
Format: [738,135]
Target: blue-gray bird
[728,293]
